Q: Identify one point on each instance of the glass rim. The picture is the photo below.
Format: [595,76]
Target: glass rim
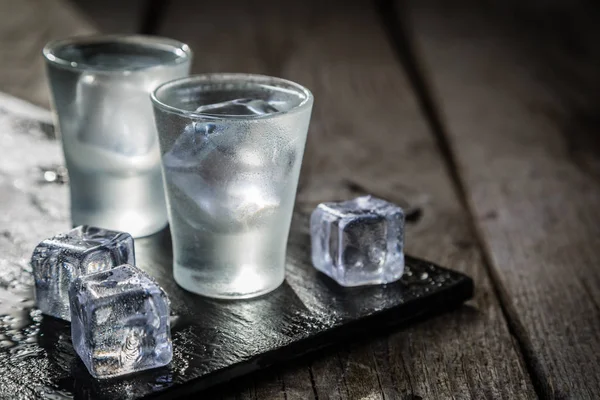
[49,51]
[225,77]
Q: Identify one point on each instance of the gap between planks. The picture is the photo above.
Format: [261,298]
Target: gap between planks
[400,36]
[517,84]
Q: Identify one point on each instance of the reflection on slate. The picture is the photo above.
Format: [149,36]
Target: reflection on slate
[218,340]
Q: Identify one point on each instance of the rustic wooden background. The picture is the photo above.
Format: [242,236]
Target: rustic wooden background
[484,113]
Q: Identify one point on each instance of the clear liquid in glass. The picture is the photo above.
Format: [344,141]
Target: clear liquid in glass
[231,181]
[107,129]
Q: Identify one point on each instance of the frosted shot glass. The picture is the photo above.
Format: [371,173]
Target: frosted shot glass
[231,148]
[100,89]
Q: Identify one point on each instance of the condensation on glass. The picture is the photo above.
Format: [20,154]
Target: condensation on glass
[232,146]
[101,96]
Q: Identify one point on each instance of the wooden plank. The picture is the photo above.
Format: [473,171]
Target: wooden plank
[25,27]
[518,87]
[115,16]
[367,134]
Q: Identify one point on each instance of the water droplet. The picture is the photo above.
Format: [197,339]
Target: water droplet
[54,174]
[50,176]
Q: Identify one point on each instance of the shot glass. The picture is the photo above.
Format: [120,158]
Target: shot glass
[231,146]
[101,96]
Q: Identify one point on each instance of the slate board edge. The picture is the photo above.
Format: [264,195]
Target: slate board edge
[447,299]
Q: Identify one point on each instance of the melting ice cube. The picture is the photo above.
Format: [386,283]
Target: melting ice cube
[57,261]
[120,322]
[358,242]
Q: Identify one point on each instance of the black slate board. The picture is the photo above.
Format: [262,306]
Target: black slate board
[214,341]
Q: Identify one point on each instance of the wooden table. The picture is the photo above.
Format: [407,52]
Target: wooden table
[485,114]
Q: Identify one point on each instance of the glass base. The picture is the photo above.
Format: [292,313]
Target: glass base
[192,281]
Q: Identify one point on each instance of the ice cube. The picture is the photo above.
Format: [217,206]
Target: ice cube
[120,322]
[115,116]
[238,107]
[191,146]
[358,242]
[57,261]
[222,207]
[229,175]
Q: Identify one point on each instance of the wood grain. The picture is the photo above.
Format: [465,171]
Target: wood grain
[367,135]
[25,27]
[517,85]
[114,16]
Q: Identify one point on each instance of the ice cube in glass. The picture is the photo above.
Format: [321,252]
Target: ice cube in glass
[238,107]
[57,261]
[358,242]
[120,322]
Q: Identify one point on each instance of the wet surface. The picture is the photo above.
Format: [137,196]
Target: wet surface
[213,341]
